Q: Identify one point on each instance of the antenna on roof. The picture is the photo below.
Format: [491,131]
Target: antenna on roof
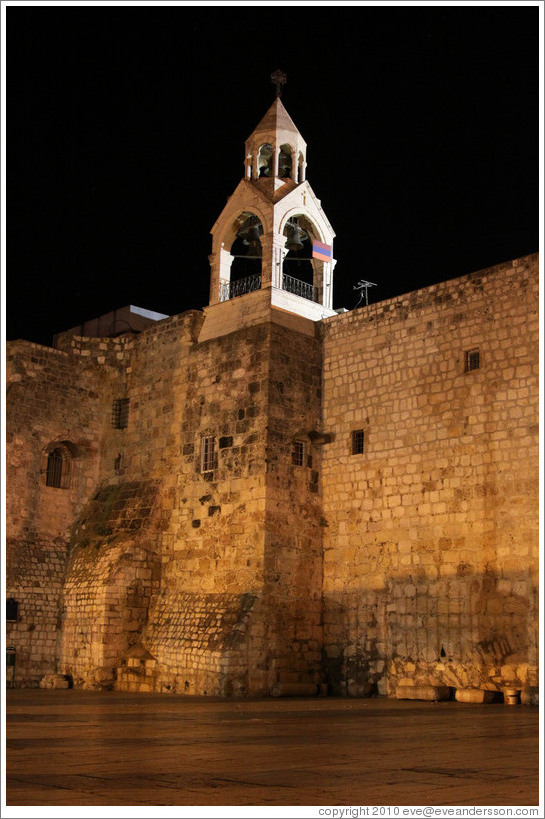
[363,286]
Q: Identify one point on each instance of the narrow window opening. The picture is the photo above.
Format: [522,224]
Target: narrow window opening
[208,448]
[298,453]
[120,413]
[358,439]
[54,473]
[118,464]
[472,360]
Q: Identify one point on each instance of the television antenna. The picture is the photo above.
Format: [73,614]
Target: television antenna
[363,286]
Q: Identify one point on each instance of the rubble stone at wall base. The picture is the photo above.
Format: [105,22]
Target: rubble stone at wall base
[54,681]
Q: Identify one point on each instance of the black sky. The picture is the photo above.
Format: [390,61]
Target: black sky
[126,129]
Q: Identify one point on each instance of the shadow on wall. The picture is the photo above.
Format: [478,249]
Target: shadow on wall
[465,630]
[200,642]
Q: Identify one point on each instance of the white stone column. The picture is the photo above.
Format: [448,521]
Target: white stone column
[328,291]
[220,275]
[273,249]
[318,279]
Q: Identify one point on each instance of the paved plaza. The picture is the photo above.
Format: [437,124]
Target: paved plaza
[86,748]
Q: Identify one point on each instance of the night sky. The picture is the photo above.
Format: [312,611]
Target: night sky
[126,129]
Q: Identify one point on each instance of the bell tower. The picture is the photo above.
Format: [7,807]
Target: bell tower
[272,243]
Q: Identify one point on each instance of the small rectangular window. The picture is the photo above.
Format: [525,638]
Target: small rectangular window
[12,607]
[357,441]
[472,360]
[298,453]
[120,413]
[208,447]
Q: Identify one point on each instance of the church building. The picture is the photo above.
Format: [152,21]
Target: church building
[270,497]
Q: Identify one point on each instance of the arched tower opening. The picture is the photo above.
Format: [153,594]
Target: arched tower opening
[298,269]
[245,257]
[285,162]
[265,160]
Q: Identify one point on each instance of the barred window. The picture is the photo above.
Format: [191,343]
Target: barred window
[208,449]
[120,413]
[58,469]
[472,360]
[358,439]
[298,453]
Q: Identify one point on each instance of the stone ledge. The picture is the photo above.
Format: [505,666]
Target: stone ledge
[431,693]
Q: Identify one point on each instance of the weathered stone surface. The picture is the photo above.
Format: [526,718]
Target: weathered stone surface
[54,681]
[412,561]
[430,548]
[430,693]
[477,695]
[530,695]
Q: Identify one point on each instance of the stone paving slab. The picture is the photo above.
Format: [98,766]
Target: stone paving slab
[88,748]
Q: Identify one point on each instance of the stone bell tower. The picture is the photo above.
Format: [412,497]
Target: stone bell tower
[272,236]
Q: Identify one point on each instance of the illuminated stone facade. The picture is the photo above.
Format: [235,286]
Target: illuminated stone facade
[269,497]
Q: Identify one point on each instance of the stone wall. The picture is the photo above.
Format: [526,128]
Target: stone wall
[292,618]
[431,536]
[53,402]
[285,560]
[199,628]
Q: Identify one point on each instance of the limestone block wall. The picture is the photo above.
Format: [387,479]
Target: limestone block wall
[431,533]
[34,578]
[231,602]
[113,572]
[292,591]
[199,627]
[53,400]
[114,567]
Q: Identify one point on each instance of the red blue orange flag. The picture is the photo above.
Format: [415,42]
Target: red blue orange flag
[321,251]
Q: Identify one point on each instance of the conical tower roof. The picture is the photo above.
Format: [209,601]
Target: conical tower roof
[276,119]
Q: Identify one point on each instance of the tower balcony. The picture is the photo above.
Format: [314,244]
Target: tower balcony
[230,290]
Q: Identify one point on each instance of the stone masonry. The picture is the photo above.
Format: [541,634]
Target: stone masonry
[267,496]
[415,560]
[431,542]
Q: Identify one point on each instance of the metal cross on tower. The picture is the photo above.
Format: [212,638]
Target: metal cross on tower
[279,79]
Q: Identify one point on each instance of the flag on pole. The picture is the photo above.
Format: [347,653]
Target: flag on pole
[321,251]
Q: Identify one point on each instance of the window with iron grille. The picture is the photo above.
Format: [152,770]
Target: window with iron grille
[120,413]
[58,470]
[208,449]
[298,453]
[472,360]
[358,438]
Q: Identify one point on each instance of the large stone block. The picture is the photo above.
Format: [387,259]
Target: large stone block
[476,695]
[430,693]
